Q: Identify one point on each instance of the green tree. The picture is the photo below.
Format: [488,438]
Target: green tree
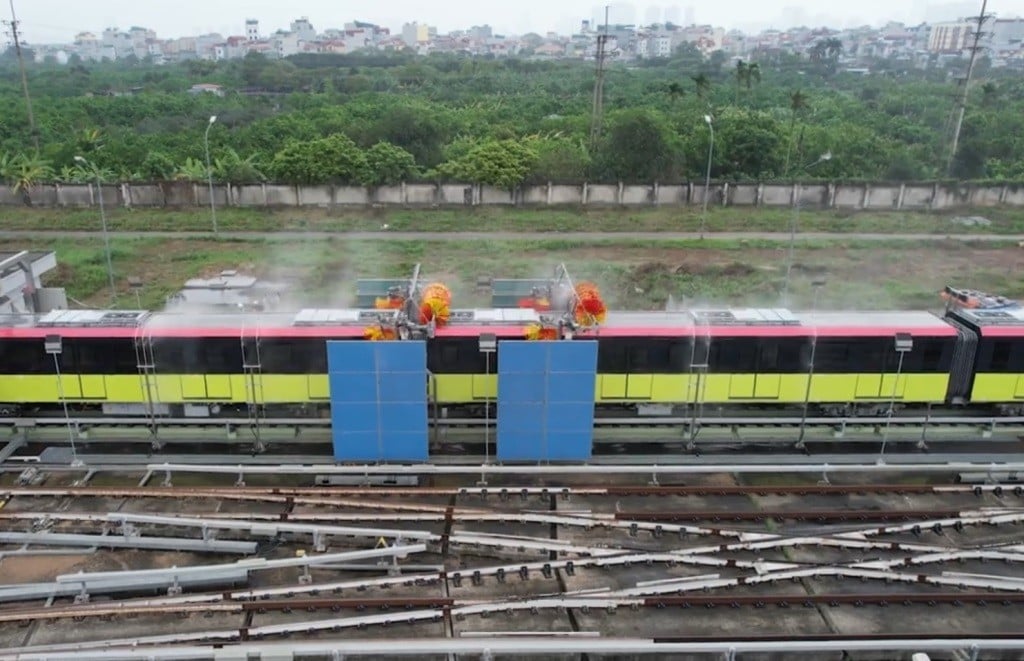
[674,91]
[750,144]
[560,159]
[502,163]
[639,145]
[158,166]
[797,104]
[23,173]
[388,164]
[703,86]
[334,158]
[229,167]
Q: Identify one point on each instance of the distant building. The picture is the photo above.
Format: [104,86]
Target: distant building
[252,29]
[206,88]
[414,34]
[303,29]
[951,37]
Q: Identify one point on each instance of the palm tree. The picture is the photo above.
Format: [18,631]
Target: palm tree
[797,102]
[753,74]
[675,91]
[742,74]
[23,173]
[703,85]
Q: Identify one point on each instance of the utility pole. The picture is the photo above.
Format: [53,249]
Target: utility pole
[597,113]
[13,24]
[962,102]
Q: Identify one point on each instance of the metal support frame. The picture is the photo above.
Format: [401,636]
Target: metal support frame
[488,343]
[129,540]
[816,285]
[54,345]
[903,344]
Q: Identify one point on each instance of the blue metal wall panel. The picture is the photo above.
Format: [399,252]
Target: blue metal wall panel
[546,400]
[378,400]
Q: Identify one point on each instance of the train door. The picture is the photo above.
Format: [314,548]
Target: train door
[869,386]
[768,380]
[1019,391]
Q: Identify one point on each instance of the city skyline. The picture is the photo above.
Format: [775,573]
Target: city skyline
[54,21]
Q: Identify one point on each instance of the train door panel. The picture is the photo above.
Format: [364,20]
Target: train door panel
[71,386]
[613,386]
[485,386]
[767,386]
[93,386]
[742,386]
[869,386]
[893,387]
[193,386]
[639,386]
[218,386]
[1019,391]
[318,386]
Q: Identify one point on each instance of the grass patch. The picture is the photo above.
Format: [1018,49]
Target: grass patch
[496,219]
[632,273]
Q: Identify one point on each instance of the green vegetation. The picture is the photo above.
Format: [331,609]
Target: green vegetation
[496,219]
[376,118]
[633,274]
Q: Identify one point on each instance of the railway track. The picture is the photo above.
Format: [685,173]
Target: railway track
[593,557]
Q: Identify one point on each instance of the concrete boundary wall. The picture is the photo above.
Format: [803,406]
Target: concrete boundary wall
[879,196]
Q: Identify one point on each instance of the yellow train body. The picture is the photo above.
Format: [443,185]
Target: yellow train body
[997,388]
[464,388]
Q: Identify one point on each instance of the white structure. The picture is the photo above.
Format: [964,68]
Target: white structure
[950,37]
[252,29]
[303,29]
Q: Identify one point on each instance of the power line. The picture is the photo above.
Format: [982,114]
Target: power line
[597,112]
[13,24]
[962,104]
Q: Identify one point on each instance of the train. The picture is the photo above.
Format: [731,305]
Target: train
[649,364]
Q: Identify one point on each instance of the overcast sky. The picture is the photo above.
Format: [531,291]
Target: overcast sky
[45,21]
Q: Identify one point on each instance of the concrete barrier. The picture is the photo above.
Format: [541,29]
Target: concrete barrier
[855,196]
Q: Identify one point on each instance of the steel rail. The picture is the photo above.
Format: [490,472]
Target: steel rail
[335,604]
[535,645]
[810,465]
[293,494]
[783,420]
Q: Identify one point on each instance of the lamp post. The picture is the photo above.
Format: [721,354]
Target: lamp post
[827,156]
[904,344]
[54,345]
[209,171]
[817,285]
[103,222]
[488,346]
[709,120]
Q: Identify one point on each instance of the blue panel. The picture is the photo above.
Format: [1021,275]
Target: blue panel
[378,400]
[546,400]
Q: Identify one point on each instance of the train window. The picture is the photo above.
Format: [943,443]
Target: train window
[24,357]
[639,359]
[768,360]
[104,356]
[292,356]
[1001,352]
[734,355]
[612,356]
[458,356]
[678,357]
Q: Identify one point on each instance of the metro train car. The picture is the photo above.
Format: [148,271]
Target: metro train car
[129,363]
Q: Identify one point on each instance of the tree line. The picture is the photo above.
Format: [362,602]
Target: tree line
[378,119]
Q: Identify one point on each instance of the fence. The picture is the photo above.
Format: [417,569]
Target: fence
[860,196]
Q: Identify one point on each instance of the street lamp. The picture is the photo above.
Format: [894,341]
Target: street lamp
[54,345]
[488,346]
[817,285]
[709,120]
[103,220]
[904,344]
[827,156]
[209,171]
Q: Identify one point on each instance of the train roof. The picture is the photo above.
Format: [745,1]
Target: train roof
[1005,321]
[503,322]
